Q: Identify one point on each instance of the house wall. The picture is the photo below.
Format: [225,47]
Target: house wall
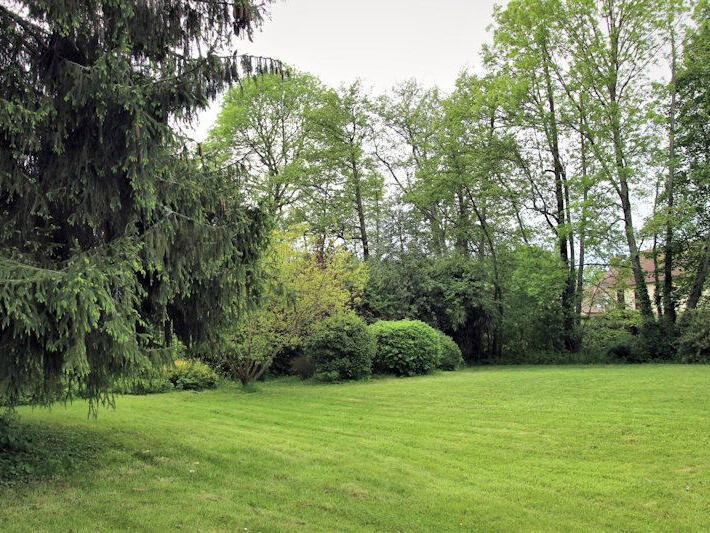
[630,297]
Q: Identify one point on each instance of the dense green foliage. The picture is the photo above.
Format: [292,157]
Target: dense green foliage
[302,288]
[405,347]
[694,342]
[341,347]
[191,374]
[627,446]
[503,212]
[609,333]
[449,353]
[534,319]
[262,127]
[449,293]
[692,214]
[113,236]
[152,381]
[506,213]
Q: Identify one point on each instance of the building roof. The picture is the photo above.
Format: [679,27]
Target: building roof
[622,275]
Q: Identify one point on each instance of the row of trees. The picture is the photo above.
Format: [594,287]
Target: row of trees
[483,211]
[586,135]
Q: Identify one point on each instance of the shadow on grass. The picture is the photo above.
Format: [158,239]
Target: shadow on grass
[31,451]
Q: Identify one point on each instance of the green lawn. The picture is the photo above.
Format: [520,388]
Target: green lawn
[500,448]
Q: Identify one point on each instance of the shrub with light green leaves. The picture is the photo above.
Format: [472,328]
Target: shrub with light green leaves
[451,358]
[341,348]
[191,374]
[405,347]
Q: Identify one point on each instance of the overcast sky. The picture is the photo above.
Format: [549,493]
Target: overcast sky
[380,41]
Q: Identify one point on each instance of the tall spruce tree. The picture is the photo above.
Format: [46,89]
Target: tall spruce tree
[113,238]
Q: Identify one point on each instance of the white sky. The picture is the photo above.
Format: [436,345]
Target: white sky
[379,41]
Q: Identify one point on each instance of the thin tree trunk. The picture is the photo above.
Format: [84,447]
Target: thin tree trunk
[644,302]
[656,270]
[583,222]
[642,298]
[436,239]
[568,296]
[360,211]
[378,227]
[462,225]
[668,303]
[497,290]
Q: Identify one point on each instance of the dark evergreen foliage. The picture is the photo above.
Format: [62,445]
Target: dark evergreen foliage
[113,237]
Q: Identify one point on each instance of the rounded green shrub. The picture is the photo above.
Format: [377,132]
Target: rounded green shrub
[191,374]
[405,347]
[451,358]
[341,347]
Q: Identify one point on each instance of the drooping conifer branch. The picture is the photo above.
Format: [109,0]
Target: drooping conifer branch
[110,234]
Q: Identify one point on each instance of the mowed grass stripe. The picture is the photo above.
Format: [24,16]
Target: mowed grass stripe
[536,448]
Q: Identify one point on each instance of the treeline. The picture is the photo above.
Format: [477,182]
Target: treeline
[490,211]
[485,212]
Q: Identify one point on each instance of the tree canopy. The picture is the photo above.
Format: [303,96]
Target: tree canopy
[115,239]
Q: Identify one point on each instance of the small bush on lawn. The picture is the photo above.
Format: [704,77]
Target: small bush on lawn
[405,347]
[341,348]
[694,341]
[191,374]
[249,347]
[451,358]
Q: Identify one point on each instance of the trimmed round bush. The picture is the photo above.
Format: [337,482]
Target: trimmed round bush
[405,347]
[191,374]
[451,358]
[341,348]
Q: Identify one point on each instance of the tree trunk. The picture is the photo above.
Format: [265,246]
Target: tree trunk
[583,223]
[462,225]
[497,290]
[360,211]
[436,238]
[568,293]
[656,270]
[642,298]
[669,309]
[622,185]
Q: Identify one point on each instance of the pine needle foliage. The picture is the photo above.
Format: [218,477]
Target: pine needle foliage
[114,237]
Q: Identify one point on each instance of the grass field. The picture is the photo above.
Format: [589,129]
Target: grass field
[501,448]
